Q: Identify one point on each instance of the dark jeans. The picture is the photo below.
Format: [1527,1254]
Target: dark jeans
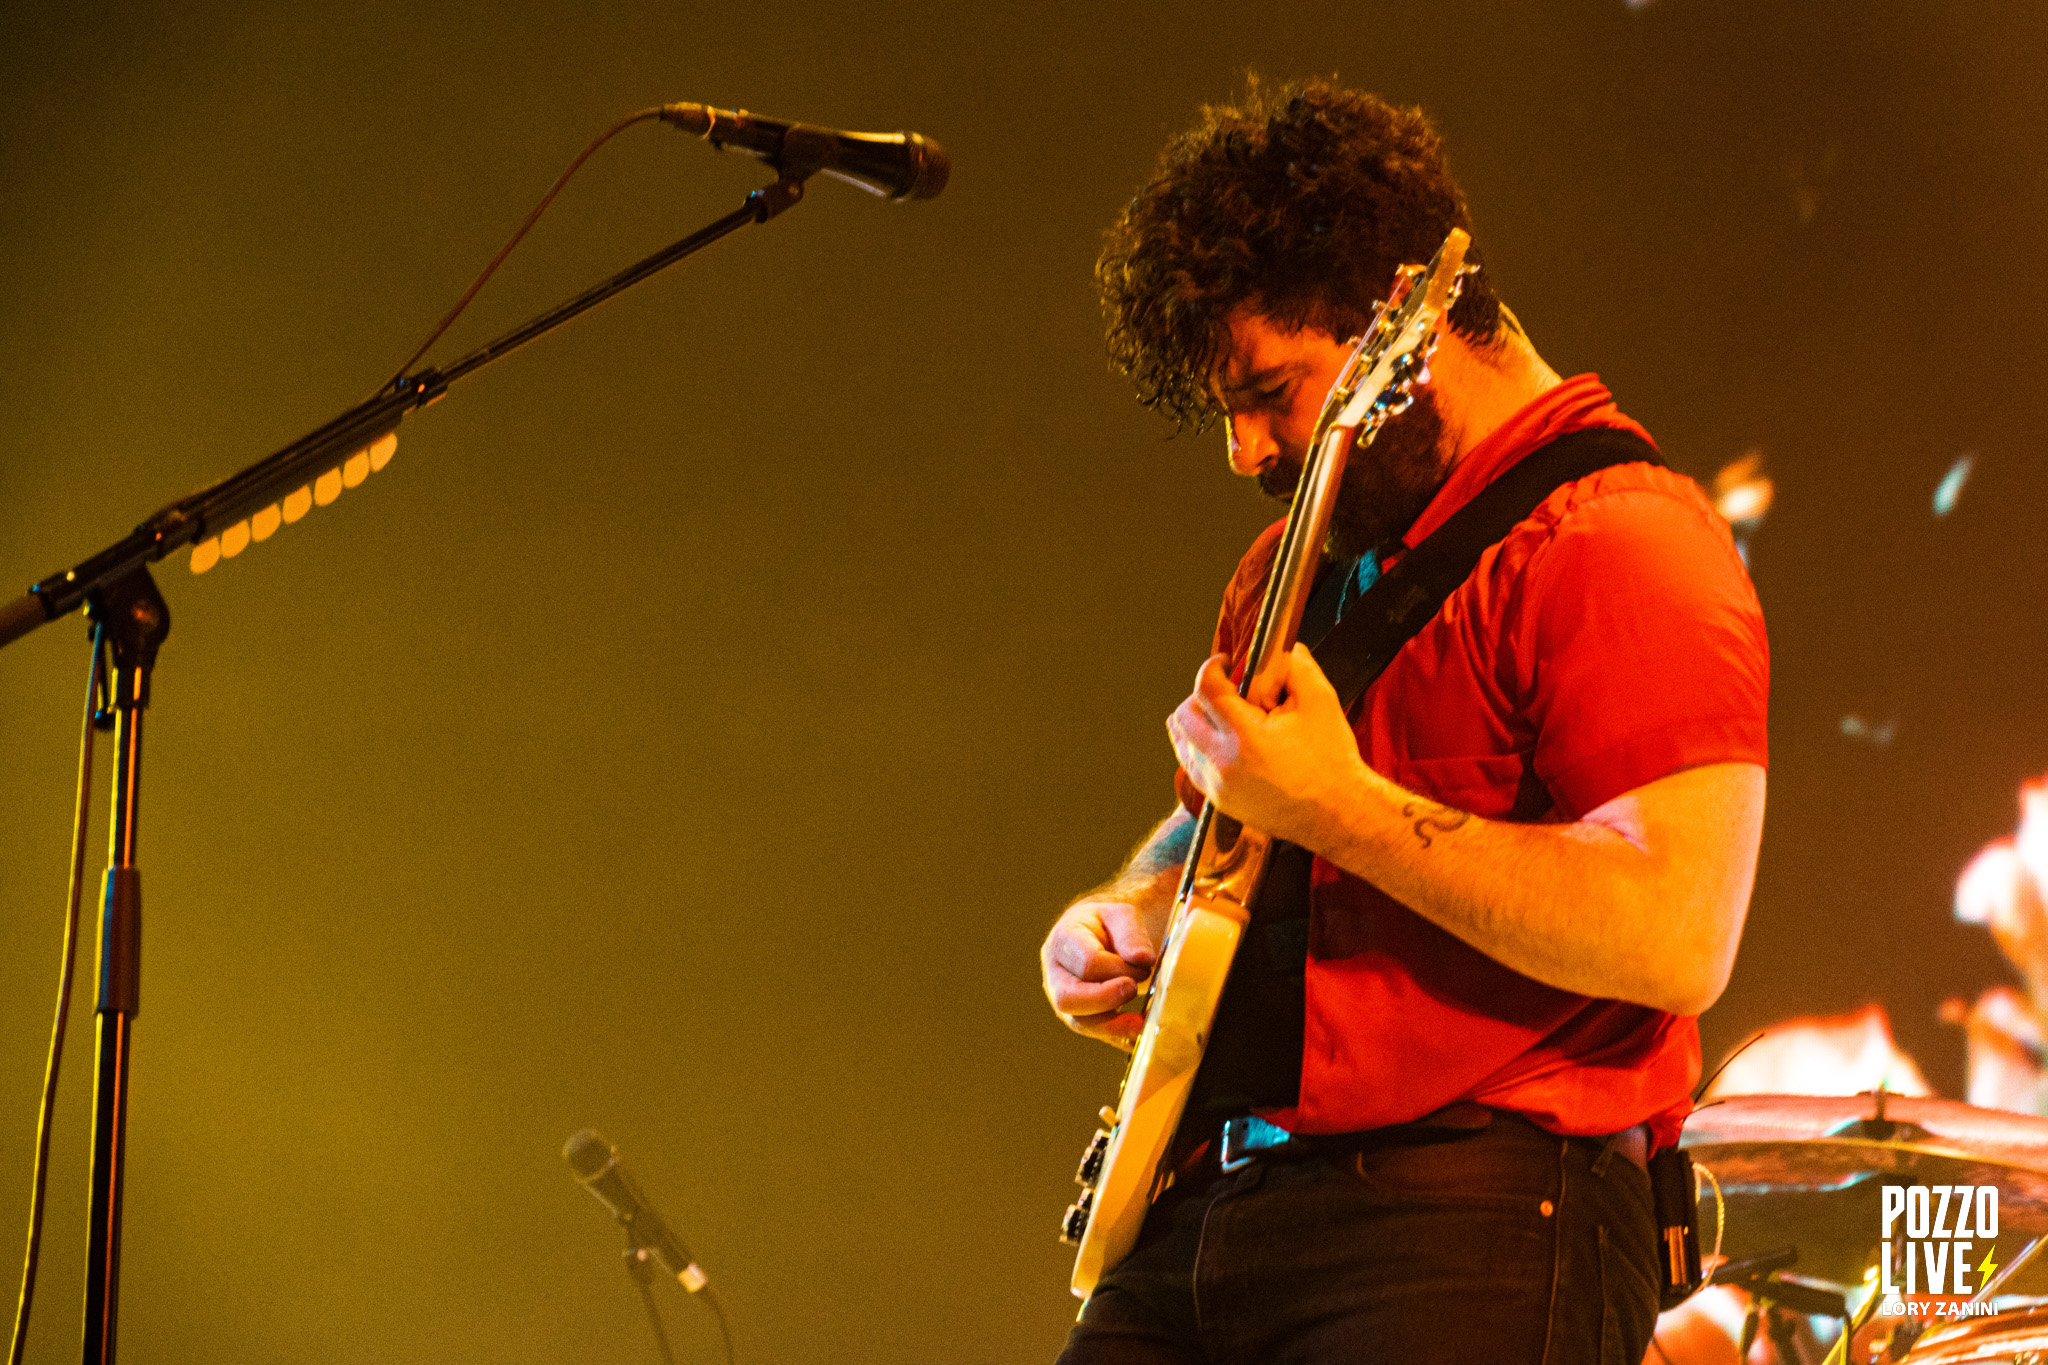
[1497,1246]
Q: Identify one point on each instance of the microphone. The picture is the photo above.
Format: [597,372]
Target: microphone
[899,165]
[596,1164]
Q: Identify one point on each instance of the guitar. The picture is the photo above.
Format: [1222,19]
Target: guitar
[1121,1170]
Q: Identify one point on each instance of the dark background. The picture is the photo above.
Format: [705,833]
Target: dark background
[692,731]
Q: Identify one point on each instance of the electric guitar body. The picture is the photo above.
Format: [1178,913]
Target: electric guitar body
[1124,1165]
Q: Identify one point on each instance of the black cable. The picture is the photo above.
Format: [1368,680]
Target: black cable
[637,1265]
[724,1332]
[44,1119]
[1756,1038]
[506,250]
[641,1282]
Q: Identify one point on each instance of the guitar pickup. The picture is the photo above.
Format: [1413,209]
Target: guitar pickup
[1091,1160]
[1075,1224]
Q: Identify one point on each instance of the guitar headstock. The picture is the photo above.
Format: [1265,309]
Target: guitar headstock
[1392,358]
[1378,380]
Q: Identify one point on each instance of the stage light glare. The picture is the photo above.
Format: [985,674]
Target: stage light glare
[2031,843]
[1745,501]
[1990,886]
[1951,486]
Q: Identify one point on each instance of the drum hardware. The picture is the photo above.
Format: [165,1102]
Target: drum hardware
[1807,1171]
[1995,1332]
[1754,1267]
[2006,1272]
[1899,1342]
[2016,1338]
[1838,1354]
[1802,1177]
[1769,1291]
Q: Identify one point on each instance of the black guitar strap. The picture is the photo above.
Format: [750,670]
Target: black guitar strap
[1253,1059]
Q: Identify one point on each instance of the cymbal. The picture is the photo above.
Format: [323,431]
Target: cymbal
[1806,1171]
[2016,1139]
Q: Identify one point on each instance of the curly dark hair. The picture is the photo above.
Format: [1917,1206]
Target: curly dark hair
[1300,201]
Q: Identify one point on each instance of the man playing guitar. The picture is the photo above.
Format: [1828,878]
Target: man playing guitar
[1534,837]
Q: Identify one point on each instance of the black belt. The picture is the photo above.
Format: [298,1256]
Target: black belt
[1250,1138]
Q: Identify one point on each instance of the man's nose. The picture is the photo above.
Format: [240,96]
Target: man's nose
[1252,448]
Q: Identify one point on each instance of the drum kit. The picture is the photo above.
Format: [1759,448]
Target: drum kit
[1795,1188]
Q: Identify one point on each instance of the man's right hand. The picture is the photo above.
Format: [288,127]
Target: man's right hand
[1092,962]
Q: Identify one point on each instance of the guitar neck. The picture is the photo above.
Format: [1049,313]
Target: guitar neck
[1300,554]
[1193,866]
[1226,860]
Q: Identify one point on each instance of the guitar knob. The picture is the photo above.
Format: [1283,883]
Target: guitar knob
[1091,1160]
[1075,1224]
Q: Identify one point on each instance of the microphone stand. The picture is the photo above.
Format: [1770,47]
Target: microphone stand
[640,1264]
[133,614]
[213,509]
[118,592]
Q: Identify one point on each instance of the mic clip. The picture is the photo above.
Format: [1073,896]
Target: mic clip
[770,200]
[644,1264]
[805,152]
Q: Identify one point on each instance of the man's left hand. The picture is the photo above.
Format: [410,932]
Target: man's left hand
[1281,759]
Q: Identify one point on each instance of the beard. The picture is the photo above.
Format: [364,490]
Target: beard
[1386,485]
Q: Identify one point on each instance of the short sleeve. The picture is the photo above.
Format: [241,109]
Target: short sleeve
[1642,645]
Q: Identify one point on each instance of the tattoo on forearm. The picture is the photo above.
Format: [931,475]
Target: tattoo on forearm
[1165,849]
[1431,818]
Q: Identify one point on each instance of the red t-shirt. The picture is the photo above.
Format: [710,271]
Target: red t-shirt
[1611,639]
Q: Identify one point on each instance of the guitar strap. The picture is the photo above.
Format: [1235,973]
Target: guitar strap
[1253,1059]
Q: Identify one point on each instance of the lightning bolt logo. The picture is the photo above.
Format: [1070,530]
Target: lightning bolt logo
[1985,1267]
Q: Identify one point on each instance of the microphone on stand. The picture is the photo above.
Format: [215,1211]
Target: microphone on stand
[595,1163]
[899,165]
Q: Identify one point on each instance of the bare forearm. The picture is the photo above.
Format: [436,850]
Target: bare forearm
[1518,893]
[1604,907]
[1152,872]
[1103,944]
[1642,899]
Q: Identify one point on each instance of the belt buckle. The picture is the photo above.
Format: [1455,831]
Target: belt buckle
[1244,1138]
